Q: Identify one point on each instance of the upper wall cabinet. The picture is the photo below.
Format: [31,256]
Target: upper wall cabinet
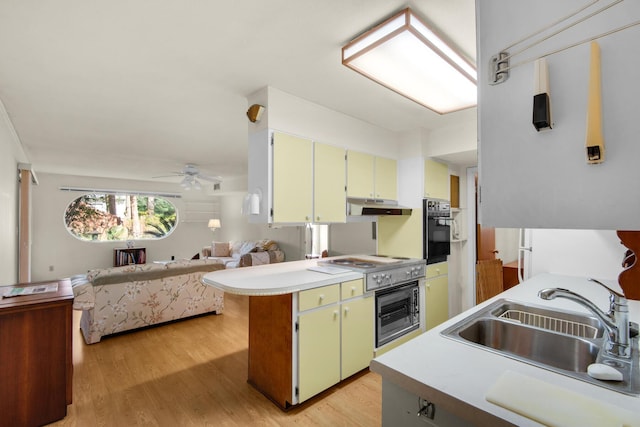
[369,176]
[300,181]
[292,179]
[542,179]
[436,180]
[329,184]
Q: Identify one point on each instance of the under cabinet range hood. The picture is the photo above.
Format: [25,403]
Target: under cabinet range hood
[375,207]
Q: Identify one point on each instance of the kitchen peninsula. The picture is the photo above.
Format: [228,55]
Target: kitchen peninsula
[297,319]
[313,323]
[455,377]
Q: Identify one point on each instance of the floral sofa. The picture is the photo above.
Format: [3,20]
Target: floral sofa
[244,253]
[123,298]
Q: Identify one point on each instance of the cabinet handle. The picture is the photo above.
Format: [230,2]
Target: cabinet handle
[428,286]
[353,290]
[318,218]
[321,297]
[335,314]
[346,310]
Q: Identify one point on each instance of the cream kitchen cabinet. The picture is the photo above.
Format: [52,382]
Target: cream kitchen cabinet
[329,182]
[300,180]
[436,180]
[292,178]
[335,338]
[437,294]
[370,176]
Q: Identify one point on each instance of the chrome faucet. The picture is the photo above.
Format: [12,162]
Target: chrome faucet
[616,320]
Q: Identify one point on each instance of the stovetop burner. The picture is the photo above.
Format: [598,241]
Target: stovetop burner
[381,271]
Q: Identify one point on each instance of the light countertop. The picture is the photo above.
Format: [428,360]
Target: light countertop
[275,279]
[458,375]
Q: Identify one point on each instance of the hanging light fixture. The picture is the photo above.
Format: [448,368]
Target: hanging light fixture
[406,56]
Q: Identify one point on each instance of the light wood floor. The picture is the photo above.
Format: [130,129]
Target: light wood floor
[194,373]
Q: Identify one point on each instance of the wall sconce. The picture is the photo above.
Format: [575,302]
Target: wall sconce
[214,224]
[252,203]
[254,113]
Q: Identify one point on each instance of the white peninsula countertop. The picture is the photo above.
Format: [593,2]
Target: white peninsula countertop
[457,376]
[276,279]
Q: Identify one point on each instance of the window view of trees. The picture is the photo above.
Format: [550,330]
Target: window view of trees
[108,217]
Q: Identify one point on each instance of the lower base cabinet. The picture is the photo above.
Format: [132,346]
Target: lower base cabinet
[402,408]
[333,327]
[436,294]
[36,370]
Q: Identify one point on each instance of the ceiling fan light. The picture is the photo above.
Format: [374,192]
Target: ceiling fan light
[406,56]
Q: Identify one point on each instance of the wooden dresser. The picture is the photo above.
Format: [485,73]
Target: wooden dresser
[35,356]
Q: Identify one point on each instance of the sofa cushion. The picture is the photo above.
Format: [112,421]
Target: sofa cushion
[241,247]
[220,249]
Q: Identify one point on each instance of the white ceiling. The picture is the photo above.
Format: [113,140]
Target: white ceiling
[137,88]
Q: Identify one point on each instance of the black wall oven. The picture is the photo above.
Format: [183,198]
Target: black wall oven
[397,312]
[436,229]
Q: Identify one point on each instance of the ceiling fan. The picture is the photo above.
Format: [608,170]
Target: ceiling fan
[191,176]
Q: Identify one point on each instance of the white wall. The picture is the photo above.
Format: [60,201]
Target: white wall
[11,153]
[584,253]
[297,116]
[58,254]
[542,179]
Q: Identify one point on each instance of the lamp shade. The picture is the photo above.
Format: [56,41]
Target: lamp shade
[214,223]
[406,56]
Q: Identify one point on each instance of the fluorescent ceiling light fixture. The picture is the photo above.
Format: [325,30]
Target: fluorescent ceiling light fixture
[404,55]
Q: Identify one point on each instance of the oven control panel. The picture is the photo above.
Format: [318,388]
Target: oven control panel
[395,276]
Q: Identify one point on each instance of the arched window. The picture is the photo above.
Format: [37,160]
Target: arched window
[112,217]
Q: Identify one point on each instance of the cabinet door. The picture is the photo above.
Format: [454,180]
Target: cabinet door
[329,183]
[357,335]
[436,180]
[292,178]
[437,301]
[386,178]
[360,171]
[318,351]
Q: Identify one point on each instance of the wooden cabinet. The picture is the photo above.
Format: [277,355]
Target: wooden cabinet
[126,256]
[436,294]
[36,357]
[369,176]
[309,342]
[436,180]
[454,191]
[292,179]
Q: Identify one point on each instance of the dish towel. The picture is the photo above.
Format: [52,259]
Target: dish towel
[556,406]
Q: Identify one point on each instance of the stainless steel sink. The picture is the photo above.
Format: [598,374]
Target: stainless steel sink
[539,346]
[561,341]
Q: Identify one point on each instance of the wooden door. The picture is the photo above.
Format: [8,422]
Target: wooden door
[485,243]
